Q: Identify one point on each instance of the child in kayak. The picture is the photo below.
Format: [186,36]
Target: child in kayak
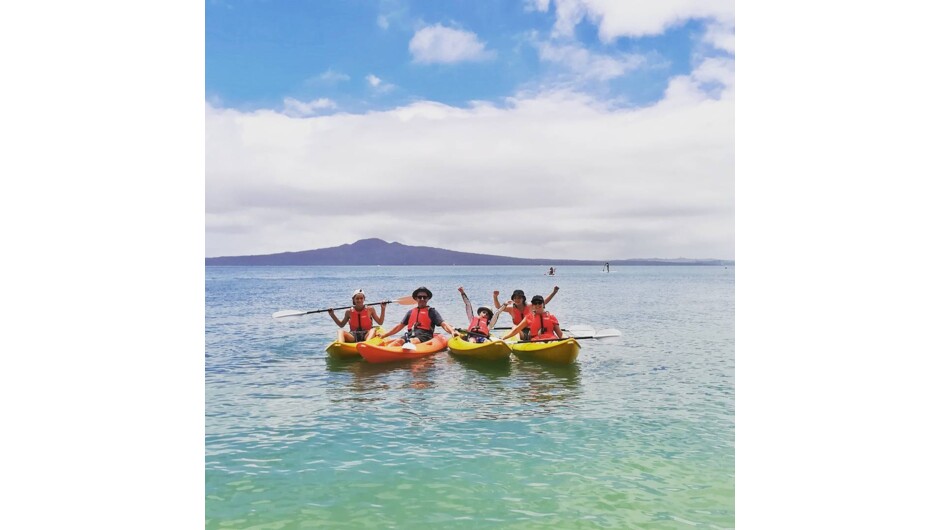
[478,328]
[517,307]
[541,324]
[420,322]
[360,319]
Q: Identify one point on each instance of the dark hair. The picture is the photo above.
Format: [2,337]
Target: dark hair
[518,292]
[537,299]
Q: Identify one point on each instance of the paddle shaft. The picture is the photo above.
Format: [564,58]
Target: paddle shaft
[554,340]
[340,308]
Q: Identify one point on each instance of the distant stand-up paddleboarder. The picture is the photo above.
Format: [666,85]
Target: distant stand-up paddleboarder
[607,266]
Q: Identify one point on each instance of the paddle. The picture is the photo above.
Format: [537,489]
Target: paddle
[609,333]
[404,300]
[474,333]
[576,328]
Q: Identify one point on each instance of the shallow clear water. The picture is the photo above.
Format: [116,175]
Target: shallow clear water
[638,433]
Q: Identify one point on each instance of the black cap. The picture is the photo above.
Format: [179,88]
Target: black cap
[420,289]
[518,292]
[537,299]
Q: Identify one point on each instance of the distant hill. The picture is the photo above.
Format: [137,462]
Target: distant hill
[378,252]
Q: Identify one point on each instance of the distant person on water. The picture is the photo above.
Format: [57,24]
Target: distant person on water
[478,328]
[361,320]
[420,321]
[607,266]
[551,271]
[517,307]
[540,324]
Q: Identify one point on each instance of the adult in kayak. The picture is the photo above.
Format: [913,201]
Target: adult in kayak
[517,307]
[360,319]
[478,327]
[420,321]
[540,323]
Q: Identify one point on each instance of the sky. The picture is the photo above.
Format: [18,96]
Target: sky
[584,129]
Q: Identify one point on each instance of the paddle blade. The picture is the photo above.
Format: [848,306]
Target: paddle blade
[288,313]
[608,335]
[580,330]
[405,300]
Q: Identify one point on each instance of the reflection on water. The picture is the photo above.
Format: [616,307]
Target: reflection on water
[547,384]
[371,377]
[489,369]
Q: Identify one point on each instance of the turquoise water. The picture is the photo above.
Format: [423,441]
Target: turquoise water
[638,433]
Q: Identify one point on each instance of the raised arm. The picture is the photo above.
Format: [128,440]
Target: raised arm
[466,304]
[549,297]
[379,318]
[339,322]
[492,325]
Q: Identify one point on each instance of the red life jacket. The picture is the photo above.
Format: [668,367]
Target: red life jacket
[420,318]
[541,326]
[478,325]
[517,315]
[360,320]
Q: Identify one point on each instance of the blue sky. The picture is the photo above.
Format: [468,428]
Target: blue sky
[513,105]
[259,53]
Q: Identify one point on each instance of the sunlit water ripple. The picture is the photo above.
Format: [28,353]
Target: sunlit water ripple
[635,434]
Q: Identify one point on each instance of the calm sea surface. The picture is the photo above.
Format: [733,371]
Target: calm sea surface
[638,433]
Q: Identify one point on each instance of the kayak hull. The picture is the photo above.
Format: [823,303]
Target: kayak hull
[382,353]
[483,351]
[347,350]
[553,352]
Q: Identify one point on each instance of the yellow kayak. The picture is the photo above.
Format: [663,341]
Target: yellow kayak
[484,351]
[562,351]
[347,350]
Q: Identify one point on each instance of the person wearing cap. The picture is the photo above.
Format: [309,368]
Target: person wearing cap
[360,319]
[420,321]
[541,324]
[517,307]
[478,328]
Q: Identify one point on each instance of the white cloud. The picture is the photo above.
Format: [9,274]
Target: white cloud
[720,35]
[636,18]
[587,64]
[295,107]
[333,77]
[378,85]
[439,44]
[382,21]
[589,180]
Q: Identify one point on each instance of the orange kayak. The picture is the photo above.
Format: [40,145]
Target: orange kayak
[380,353]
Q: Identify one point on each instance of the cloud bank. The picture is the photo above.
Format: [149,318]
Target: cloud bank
[554,174]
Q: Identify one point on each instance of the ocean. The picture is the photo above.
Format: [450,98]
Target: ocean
[638,433]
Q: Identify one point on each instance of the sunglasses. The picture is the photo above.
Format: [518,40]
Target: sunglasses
[538,303]
[421,297]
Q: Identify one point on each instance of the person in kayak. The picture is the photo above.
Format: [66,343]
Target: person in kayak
[360,319]
[420,322]
[517,307]
[478,328]
[541,324]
